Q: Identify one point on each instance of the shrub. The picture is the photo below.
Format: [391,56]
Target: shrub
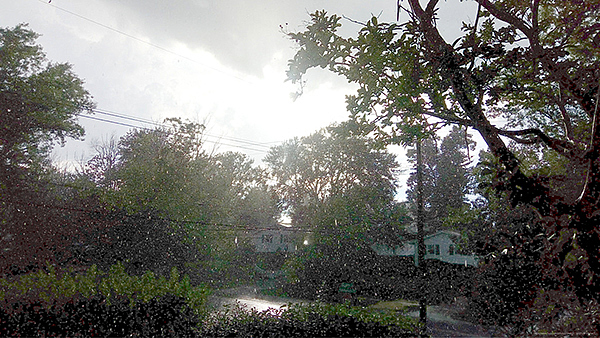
[312,320]
[166,315]
[93,302]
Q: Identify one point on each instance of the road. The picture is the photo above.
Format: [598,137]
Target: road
[442,322]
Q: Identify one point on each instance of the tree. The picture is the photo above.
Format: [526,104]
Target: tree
[245,190]
[534,64]
[164,172]
[333,177]
[445,176]
[162,169]
[102,167]
[340,185]
[39,105]
[39,102]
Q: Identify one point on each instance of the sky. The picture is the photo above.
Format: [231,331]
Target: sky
[217,62]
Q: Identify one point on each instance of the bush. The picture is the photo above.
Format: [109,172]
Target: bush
[94,303]
[117,304]
[318,273]
[142,241]
[312,320]
[166,315]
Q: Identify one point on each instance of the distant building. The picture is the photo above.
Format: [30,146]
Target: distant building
[278,239]
[441,245]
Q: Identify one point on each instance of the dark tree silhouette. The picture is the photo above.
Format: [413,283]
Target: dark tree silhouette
[534,64]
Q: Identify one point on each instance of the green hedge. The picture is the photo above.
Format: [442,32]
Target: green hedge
[94,317]
[93,303]
[49,287]
[309,320]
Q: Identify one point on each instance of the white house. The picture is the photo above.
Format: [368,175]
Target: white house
[279,239]
[441,245]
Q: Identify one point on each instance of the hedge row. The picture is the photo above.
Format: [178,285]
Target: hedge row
[309,320]
[166,315]
[93,303]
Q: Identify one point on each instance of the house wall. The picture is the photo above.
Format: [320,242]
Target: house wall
[437,246]
[274,241]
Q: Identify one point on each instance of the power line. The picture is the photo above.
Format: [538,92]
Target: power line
[250,143]
[208,141]
[214,227]
[145,42]
[112,122]
[123,116]
[137,119]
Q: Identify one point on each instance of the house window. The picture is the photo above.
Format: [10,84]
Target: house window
[451,250]
[267,238]
[437,249]
[430,249]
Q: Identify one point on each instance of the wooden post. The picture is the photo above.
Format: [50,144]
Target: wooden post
[421,268]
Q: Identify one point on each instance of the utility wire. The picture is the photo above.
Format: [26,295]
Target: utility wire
[145,128]
[213,227]
[112,122]
[158,124]
[145,42]
[170,52]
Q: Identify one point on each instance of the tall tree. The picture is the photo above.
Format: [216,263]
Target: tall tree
[533,63]
[445,176]
[336,165]
[245,190]
[39,105]
[162,169]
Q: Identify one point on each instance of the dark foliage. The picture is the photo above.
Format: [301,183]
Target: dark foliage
[142,241]
[507,282]
[95,317]
[275,324]
[375,277]
[40,228]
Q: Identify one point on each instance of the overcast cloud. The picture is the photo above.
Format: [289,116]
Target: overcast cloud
[221,62]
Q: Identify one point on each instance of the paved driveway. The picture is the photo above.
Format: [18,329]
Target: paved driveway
[442,322]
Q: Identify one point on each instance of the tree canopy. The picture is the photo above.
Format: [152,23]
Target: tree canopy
[334,177]
[446,176]
[409,76]
[533,64]
[39,103]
